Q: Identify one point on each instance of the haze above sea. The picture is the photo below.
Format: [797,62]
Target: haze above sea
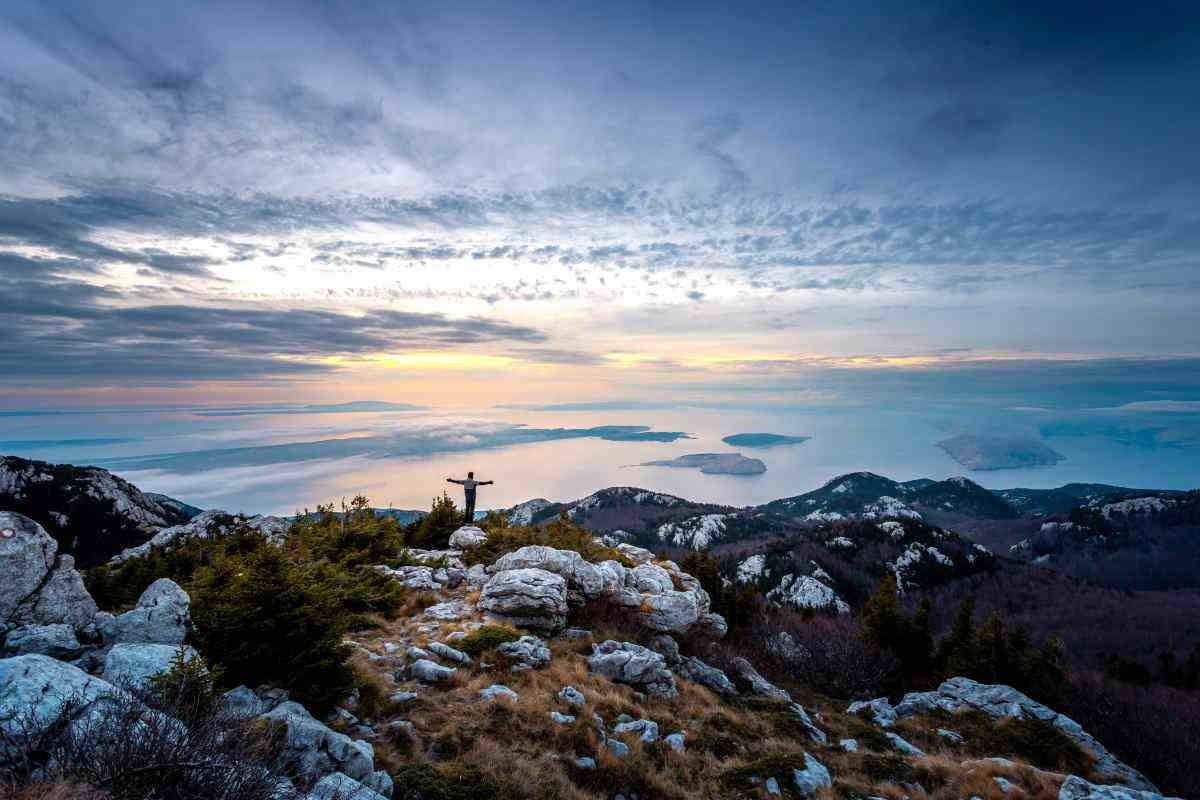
[280,460]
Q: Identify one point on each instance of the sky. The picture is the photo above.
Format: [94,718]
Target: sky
[524,204]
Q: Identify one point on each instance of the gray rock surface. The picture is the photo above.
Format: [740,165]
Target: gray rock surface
[135,664]
[449,653]
[27,553]
[996,700]
[879,711]
[571,696]
[697,671]
[35,688]
[468,537]
[427,671]
[498,690]
[813,777]
[676,741]
[528,652]
[57,641]
[647,730]
[338,786]
[634,665]
[584,579]
[533,598]
[241,703]
[313,749]
[746,676]
[1076,788]
[160,616]
[61,599]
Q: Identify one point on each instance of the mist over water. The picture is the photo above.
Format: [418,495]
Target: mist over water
[283,462]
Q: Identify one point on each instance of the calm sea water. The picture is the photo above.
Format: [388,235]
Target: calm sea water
[268,463]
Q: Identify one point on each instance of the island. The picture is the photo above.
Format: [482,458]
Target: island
[762,439]
[980,453]
[714,463]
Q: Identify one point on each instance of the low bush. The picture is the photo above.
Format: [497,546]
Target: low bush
[486,637]
[562,534]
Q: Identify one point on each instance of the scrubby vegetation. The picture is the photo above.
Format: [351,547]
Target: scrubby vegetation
[276,614]
[560,533]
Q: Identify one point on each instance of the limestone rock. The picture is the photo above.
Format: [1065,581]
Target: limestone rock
[57,641]
[428,671]
[468,537]
[448,652]
[27,553]
[571,696]
[135,664]
[584,580]
[313,749]
[650,578]
[338,786]
[533,598]
[35,688]
[676,741]
[698,671]
[996,700]
[879,710]
[646,729]
[634,665]
[813,777]
[670,611]
[1076,788]
[497,690]
[61,599]
[528,652]
[747,676]
[241,703]
[160,617]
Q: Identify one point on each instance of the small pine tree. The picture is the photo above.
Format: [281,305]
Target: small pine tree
[957,654]
[882,617]
[991,651]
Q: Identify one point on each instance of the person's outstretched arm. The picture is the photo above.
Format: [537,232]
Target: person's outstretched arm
[453,480]
[486,483]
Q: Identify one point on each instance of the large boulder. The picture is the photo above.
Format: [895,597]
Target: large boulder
[35,690]
[814,777]
[1076,788]
[468,537]
[27,553]
[634,665]
[532,598]
[128,664]
[160,616]
[996,700]
[584,579]
[651,578]
[313,749]
[61,599]
[670,611]
[57,641]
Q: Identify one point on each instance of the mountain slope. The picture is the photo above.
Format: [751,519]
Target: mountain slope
[91,513]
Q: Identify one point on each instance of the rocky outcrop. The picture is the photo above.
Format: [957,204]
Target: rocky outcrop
[1076,788]
[814,777]
[338,786]
[206,525]
[531,598]
[313,749]
[160,617]
[584,580]
[963,694]
[634,665]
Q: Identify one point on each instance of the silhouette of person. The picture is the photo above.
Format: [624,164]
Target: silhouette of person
[469,483]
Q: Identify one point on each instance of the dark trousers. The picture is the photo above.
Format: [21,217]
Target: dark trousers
[469,509]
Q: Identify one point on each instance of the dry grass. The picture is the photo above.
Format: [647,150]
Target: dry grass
[52,791]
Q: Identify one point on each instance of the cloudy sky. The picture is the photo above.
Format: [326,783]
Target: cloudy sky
[580,202]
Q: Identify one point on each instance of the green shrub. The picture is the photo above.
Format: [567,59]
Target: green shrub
[266,619]
[487,637]
[189,688]
[421,781]
[432,531]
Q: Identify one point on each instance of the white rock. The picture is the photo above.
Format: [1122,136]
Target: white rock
[448,652]
[497,690]
[697,671]
[849,745]
[583,578]
[632,664]
[562,719]
[804,591]
[1076,788]
[571,696]
[313,749]
[676,741]
[646,729]
[468,537]
[902,746]
[650,578]
[160,616]
[532,598]
[57,641]
[429,672]
[879,709]
[529,652]
[35,688]
[337,786]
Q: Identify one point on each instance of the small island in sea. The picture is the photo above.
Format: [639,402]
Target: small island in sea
[714,463]
[999,452]
[762,439]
